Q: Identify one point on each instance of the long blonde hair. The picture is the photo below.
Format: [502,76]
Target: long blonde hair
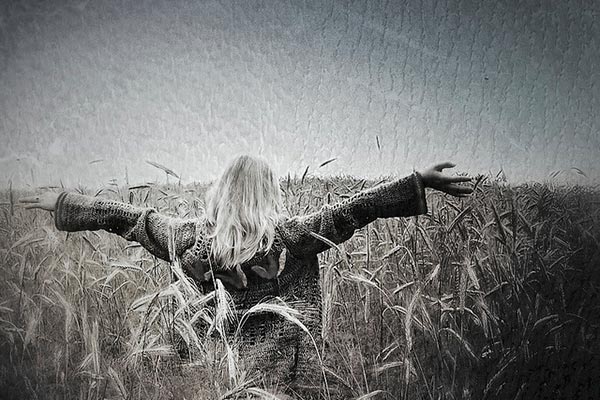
[242,209]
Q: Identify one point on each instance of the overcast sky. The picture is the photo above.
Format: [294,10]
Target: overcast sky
[382,86]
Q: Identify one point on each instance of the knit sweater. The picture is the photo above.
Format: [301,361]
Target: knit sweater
[269,342]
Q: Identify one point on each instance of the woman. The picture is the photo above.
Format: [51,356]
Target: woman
[244,240]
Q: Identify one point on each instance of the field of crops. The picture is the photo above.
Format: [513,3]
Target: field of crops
[491,297]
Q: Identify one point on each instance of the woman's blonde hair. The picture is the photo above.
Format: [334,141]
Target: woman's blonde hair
[242,209]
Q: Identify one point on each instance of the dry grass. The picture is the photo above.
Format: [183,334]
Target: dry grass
[495,296]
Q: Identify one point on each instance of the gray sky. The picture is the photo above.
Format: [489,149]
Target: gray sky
[188,83]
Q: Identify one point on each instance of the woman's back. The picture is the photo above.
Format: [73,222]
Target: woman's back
[269,343]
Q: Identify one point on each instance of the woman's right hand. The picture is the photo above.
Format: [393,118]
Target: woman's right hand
[45,201]
[434,178]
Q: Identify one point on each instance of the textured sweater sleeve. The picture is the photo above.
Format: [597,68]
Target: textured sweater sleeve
[76,212]
[402,197]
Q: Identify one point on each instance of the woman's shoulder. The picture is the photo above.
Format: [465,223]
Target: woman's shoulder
[290,231]
[291,225]
[200,242]
[284,227]
[194,259]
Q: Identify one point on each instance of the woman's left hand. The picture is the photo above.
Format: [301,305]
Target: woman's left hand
[434,178]
[45,201]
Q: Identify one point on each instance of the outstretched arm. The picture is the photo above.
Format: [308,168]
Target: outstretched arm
[337,223]
[76,212]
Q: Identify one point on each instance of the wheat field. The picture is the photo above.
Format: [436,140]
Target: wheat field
[490,297]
